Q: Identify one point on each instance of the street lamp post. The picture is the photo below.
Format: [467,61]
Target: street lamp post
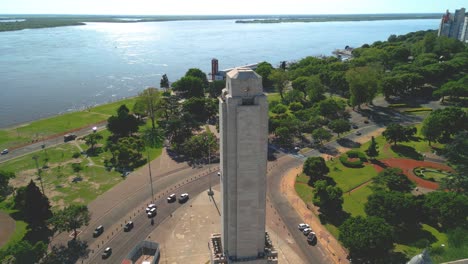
[151,178]
[35,157]
[210,191]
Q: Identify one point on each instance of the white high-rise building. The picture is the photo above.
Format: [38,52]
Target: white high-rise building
[454,25]
[243,111]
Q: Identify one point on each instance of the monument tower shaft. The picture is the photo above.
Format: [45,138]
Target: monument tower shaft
[244,144]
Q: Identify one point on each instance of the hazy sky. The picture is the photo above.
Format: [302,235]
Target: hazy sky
[233,7]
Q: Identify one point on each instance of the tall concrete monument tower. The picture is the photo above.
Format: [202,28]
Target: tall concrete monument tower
[243,111]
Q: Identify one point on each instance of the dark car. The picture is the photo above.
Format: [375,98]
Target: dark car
[69,137]
[98,231]
[354,126]
[128,226]
[106,253]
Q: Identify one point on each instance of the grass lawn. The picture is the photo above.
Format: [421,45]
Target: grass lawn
[273,97]
[428,236]
[21,228]
[354,202]
[303,189]
[349,178]
[40,129]
[111,108]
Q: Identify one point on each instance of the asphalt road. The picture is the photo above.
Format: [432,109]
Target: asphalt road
[123,242]
[36,146]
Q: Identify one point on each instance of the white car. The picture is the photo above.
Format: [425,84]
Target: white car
[171,198]
[306,231]
[302,226]
[219,173]
[150,206]
[5,151]
[151,213]
[183,197]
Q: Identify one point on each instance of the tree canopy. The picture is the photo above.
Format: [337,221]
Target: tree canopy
[368,238]
[71,218]
[33,205]
[397,133]
[124,124]
[189,86]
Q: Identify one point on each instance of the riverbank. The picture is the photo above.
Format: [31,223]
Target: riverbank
[42,129]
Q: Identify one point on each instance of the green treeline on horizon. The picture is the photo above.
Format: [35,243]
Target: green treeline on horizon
[46,21]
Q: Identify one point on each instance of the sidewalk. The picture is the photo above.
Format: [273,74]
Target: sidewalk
[184,237]
[337,252]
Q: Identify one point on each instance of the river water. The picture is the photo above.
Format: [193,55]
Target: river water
[44,72]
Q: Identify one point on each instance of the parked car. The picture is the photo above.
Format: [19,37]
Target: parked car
[354,126]
[151,213]
[302,226]
[5,151]
[98,231]
[150,206]
[358,133]
[183,197]
[128,226]
[366,121]
[311,236]
[69,137]
[306,231]
[171,198]
[107,252]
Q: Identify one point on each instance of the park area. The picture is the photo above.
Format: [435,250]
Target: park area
[354,174]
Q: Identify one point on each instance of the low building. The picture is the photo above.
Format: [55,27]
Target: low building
[145,252]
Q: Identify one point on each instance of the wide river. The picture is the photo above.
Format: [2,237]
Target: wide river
[44,72]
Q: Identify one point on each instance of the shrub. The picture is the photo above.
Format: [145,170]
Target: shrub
[353,163]
[279,109]
[76,155]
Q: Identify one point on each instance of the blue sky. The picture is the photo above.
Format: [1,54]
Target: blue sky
[220,7]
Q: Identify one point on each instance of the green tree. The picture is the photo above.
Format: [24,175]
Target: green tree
[92,139]
[284,137]
[279,109]
[151,100]
[398,209]
[124,124]
[447,209]
[23,252]
[397,133]
[328,198]
[442,124]
[339,126]
[164,83]
[363,83]
[300,84]
[315,168]
[264,69]
[315,89]
[5,188]
[71,218]
[457,154]
[215,88]
[394,180]
[331,108]
[33,205]
[372,151]
[127,152]
[368,239]
[189,86]
[201,108]
[200,146]
[321,134]
[60,254]
[295,106]
[197,73]
[280,80]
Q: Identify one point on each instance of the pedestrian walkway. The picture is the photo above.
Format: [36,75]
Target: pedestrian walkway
[184,237]
[337,252]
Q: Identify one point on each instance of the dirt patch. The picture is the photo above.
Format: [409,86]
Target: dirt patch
[7,228]
[408,165]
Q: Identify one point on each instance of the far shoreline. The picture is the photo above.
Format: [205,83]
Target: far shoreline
[31,21]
